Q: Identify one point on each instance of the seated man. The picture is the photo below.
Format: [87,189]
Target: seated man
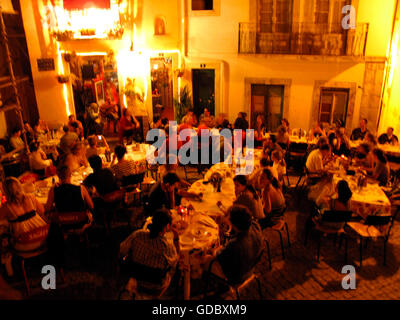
[316,158]
[38,159]
[101,178]
[359,133]
[239,256]
[270,146]
[68,140]
[75,126]
[208,119]
[124,167]
[15,140]
[166,193]
[106,186]
[388,137]
[150,257]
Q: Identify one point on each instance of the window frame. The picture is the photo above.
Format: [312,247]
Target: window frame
[216,11]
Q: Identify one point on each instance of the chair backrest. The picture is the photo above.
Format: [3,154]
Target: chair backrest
[70,218]
[33,236]
[336,216]
[378,221]
[298,147]
[133,179]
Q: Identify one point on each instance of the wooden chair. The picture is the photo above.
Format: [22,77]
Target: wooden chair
[28,238]
[327,225]
[375,227]
[74,224]
[132,186]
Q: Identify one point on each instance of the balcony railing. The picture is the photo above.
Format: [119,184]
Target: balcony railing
[304,39]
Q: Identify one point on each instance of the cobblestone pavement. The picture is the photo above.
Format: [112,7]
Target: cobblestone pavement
[297,277]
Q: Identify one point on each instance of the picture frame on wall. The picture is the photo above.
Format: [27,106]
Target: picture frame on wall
[99,90]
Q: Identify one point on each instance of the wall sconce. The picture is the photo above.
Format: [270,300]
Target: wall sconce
[61,78]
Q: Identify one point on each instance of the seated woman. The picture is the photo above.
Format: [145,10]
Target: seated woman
[75,159]
[317,131]
[282,138]
[38,159]
[381,171]
[41,129]
[172,166]
[259,131]
[364,158]
[246,196]
[339,142]
[339,203]
[274,201]
[66,197]
[128,125]
[93,149]
[279,165]
[150,257]
[24,213]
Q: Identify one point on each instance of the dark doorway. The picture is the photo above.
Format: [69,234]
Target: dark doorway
[267,101]
[203,90]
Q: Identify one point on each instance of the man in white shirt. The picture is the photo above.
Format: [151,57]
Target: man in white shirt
[38,158]
[315,160]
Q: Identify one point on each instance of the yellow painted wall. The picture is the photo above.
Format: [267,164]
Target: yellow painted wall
[215,38]
[50,94]
[391,99]
[379,14]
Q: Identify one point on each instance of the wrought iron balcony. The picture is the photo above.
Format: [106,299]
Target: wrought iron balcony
[302,39]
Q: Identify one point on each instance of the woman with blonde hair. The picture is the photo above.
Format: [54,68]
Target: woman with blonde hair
[24,214]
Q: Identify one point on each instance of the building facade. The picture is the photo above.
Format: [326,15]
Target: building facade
[304,60]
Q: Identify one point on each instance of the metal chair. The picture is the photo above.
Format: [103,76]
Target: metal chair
[377,227]
[327,225]
[236,286]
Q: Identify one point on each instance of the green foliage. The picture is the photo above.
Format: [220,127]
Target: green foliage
[182,107]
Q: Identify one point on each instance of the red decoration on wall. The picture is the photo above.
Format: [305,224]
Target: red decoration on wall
[84,4]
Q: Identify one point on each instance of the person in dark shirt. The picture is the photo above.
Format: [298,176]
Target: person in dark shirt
[388,137]
[359,133]
[167,193]
[105,183]
[238,257]
[241,122]
[101,178]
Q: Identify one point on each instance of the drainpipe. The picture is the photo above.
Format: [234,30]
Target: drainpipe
[387,66]
[184,27]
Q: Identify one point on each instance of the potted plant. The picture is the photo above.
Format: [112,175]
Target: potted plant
[182,106]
